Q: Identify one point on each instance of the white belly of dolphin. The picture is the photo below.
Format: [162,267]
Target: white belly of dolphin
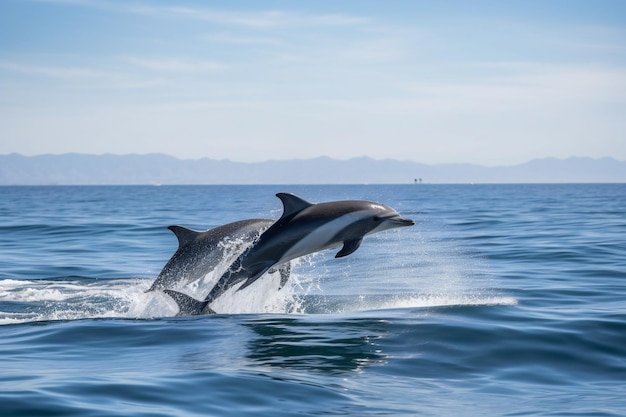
[321,237]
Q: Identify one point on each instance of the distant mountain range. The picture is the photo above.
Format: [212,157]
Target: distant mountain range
[82,169]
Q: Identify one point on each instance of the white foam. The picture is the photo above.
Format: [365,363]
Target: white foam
[441,301]
[68,299]
[126,298]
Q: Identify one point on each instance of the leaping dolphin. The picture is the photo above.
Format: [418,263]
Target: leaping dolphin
[199,253]
[303,228]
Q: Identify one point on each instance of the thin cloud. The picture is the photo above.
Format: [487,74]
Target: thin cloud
[258,19]
[76,75]
[527,87]
[174,65]
[254,19]
[227,38]
[58,72]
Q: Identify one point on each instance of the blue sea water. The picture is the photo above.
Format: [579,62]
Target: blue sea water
[503,300]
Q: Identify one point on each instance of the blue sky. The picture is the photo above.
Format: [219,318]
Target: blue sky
[486,82]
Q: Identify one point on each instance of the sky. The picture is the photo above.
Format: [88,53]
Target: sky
[484,82]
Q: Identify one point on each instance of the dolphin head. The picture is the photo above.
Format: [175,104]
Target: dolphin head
[384,218]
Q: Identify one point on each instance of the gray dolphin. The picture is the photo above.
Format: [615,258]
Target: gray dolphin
[199,253]
[303,228]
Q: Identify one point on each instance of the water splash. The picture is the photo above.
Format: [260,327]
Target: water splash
[80,298]
[67,299]
[430,275]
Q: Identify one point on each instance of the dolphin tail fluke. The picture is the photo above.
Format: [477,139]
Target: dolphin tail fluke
[189,306]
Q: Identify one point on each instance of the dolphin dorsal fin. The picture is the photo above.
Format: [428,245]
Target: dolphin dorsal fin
[185,236]
[292,204]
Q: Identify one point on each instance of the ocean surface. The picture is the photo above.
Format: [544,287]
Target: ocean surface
[502,300]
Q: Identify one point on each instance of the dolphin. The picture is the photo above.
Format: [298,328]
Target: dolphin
[199,253]
[303,228]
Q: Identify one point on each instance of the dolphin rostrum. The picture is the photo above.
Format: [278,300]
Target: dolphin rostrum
[303,228]
[199,253]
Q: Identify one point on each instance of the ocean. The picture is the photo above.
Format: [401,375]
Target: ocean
[502,300]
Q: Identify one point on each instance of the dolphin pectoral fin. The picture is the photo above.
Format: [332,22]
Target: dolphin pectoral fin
[349,246]
[185,236]
[189,306]
[285,272]
[259,271]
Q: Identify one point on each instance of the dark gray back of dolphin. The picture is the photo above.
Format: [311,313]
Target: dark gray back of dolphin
[199,253]
[302,229]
